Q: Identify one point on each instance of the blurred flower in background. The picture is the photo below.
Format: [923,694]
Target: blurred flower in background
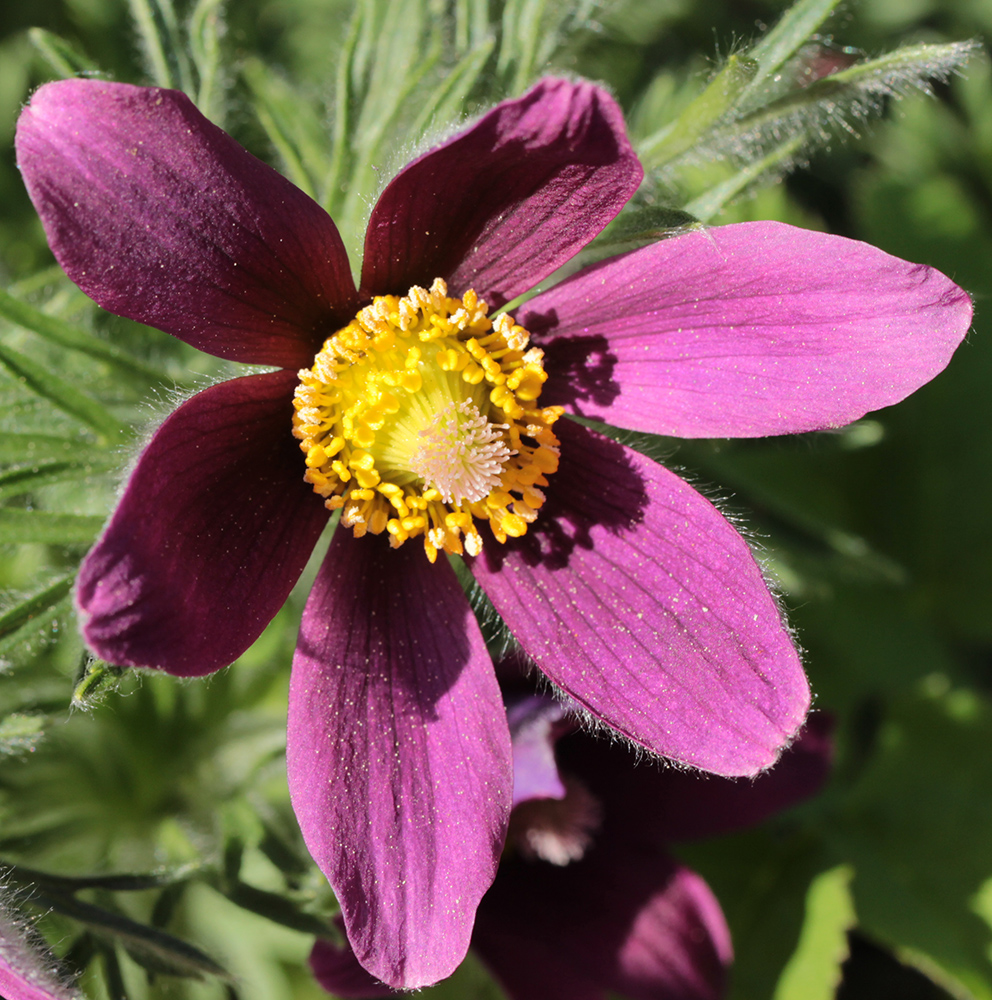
[588,901]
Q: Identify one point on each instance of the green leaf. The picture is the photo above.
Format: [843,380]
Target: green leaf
[292,125]
[398,44]
[96,678]
[794,30]
[137,882]
[150,33]
[16,482]
[796,499]
[521,34]
[276,908]
[447,101]
[116,990]
[205,29]
[23,448]
[768,167]
[66,335]
[21,614]
[154,949]
[60,54]
[762,879]
[814,971]
[649,223]
[716,101]
[472,24]
[913,830]
[408,46]
[634,229]
[18,526]
[20,733]
[62,394]
[158,29]
[855,90]
[536,32]
[344,97]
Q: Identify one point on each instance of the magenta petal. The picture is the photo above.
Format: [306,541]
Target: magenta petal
[500,206]
[635,595]
[745,330]
[706,808]
[160,216]
[398,755]
[623,920]
[214,528]
[26,972]
[654,804]
[16,986]
[338,971]
[532,721]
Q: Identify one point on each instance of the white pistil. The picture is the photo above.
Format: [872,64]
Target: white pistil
[462,454]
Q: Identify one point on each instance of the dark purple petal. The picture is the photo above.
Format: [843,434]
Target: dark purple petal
[398,755]
[743,331]
[160,216]
[338,971]
[500,206]
[654,804]
[635,595]
[214,528]
[535,774]
[627,921]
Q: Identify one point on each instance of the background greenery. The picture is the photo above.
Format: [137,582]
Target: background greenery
[878,535]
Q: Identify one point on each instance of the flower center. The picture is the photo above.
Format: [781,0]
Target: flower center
[559,831]
[420,416]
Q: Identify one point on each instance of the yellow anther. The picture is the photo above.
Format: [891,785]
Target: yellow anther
[514,526]
[417,418]
[361,460]
[363,435]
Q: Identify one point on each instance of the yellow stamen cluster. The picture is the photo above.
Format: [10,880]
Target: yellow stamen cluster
[420,416]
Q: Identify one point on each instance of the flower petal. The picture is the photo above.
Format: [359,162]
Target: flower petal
[535,774]
[16,986]
[338,971]
[398,755]
[629,921]
[654,804]
[500,206]
[27,972]
[160,216]
[635,595]
[745,330]
[214,528]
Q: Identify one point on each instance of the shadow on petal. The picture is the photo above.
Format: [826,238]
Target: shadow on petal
[596,485]
[580,370]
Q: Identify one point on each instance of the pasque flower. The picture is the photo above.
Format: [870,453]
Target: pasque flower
[589,902]
[436,428]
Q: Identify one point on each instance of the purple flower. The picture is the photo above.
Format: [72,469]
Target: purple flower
[27,972]
[420,418]
[588,901]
